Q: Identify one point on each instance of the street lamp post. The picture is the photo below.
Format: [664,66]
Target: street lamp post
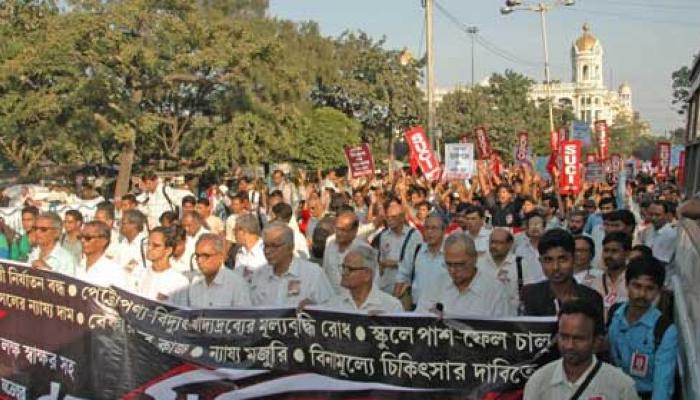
[541,8]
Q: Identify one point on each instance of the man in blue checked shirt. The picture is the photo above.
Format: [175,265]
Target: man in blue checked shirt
[643,341]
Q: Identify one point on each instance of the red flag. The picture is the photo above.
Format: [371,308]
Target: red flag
[359,158]
[482,143]
[522,149]
[413,162]
[553,141]
[570,177]
[603,134]
[663,159]
[426,158]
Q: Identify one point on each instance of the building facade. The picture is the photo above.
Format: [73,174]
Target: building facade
[587,94]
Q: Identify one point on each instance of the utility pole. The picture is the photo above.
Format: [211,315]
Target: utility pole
[472,31]
[543,20]
[428,4]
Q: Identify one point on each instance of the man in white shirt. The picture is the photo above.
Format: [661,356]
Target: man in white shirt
[425,269]
[471,291]
[193,224]
[358,270]
[217,286]
[279,182]
[132,250]
[474,226]
[580,327]
[106,213]
[283,212]
[95,267]
[236,208]
[250,257]
[157,198]
[48,253]
[338,245]
[214,223]
[160,281]
[526,243]
[287,280]
[661,235]
[396,243]
[503,263]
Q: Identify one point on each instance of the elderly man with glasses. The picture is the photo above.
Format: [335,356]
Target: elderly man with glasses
[95,267]
[359,268]
[471,291]
[48,253]
[287,280]
[217,286]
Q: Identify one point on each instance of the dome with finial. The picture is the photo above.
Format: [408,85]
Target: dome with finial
[625,88]
[586,42]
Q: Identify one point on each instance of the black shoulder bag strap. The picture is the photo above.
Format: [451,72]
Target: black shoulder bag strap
[415,256]
[587,382]
[167,198]
[519,267]
[405,243]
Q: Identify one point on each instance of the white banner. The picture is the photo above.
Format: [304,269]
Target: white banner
[459,161]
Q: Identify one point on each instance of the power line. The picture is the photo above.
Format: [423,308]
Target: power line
[632,17]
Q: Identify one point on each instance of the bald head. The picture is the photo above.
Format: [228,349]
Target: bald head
[461,242]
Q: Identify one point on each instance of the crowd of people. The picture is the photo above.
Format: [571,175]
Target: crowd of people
[501,244]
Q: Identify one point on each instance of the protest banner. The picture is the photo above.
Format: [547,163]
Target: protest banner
[360,162]
[594,172]
[60,334]
[554,142]
[570,178]
[581,130]
[482,143]
[522,148]
[602,135]
[459,161]
[663,159]
[615,167]
[681,169]
[421,149]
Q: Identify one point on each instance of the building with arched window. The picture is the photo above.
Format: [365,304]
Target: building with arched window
[587,94]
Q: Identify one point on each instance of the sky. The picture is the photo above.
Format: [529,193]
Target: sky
[643,41]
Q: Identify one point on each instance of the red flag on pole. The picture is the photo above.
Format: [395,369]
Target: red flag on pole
[426,158]
[482,143]
[603,135]
[570,177]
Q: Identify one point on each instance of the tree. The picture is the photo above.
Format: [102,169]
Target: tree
[503,107]
[328,132]
[681,87]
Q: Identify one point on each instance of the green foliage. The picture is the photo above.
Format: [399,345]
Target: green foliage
[680,84]
[328,131]
[504,109]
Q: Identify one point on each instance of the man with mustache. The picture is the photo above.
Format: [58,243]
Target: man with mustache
[643,340]
[579,374]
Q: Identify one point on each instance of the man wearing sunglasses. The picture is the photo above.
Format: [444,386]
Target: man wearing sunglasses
[359,268]
[95,267]
[216,287]
[49,254]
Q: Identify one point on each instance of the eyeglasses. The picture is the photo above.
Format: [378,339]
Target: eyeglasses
[204,256]
[87,238]
[460,265]
[346,269]
[43,228]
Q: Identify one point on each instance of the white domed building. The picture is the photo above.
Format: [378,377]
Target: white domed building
[587,94]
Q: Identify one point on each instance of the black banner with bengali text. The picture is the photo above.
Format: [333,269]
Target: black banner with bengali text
[61,338]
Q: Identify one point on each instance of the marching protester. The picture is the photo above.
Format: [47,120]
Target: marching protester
[611,285]
[194,226]
[203,208]
[660,236]
[584,253]
[160,281]
[72,223]
[20,247]
[250,255]
[287,280]
[359,267]
[338,245]
[579,374]
[96,267]
[556,248]
[426,268]
[49,254]
[470,291]
[216,286]
[643,339]
[132,248]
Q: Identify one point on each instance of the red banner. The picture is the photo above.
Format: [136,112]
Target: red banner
[522,149]
[563,133]
[681,169]
[570,177]
[359,160]
[602,133]
[663,159]
[553,142]
[482,143]
[420,147]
